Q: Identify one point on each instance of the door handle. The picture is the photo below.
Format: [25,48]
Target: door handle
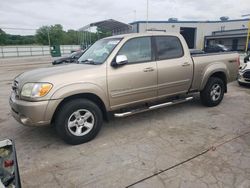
[185,64]
[148,69]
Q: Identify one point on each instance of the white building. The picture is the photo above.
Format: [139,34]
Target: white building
[231,33]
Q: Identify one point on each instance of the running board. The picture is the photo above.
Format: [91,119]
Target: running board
[136,111]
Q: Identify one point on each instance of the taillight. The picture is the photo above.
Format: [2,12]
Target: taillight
[8,163]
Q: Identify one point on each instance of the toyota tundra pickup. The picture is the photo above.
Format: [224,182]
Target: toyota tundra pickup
[119,75]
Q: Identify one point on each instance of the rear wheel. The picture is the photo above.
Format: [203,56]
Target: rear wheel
[78,121]
[213,92]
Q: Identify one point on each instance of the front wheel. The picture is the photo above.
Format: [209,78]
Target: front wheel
[78,121]
[213,92]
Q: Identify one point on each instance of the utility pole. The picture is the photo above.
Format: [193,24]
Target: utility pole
[248,34]
[248,31]
[48,36]
[134,15]
[147,17]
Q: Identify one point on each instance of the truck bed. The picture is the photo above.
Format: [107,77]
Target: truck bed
[226,61]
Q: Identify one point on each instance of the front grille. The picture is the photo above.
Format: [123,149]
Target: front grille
[14,110]
[15,88]
[246,75]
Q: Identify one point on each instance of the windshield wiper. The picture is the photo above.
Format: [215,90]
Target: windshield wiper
[88,61]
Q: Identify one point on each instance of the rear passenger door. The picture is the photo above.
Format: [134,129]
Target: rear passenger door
[175,68]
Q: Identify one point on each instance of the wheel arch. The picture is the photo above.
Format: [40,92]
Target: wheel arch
[222,76]
[90,96]
[216,70]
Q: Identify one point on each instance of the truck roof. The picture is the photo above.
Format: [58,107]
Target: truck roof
[131,35]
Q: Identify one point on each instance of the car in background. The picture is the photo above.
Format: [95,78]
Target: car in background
[247,58]
[73,57]
[196,51]
[244,75]
[216,48]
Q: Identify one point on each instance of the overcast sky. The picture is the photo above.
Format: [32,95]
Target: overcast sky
[75,14]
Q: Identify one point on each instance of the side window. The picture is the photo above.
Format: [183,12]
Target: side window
[168,47]
[137,50]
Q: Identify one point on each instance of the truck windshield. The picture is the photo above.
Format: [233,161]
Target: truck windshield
[99,51]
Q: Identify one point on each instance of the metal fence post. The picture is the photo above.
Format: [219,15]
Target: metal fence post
[43,50]
[2,52]
[17,51]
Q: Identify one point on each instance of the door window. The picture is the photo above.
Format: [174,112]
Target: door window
[168,47]
[137,50]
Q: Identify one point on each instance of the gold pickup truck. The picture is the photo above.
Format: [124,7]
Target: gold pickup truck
[120,76]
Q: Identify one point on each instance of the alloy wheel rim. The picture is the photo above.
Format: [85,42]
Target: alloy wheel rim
[215,92]
[81,122]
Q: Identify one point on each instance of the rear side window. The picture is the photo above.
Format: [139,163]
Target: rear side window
[168,47]
[137,50]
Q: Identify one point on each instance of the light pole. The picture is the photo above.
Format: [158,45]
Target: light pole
[134,15]
[48,36]
[147,17]
[248,31]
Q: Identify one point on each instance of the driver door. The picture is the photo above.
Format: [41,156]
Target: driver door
[135,81]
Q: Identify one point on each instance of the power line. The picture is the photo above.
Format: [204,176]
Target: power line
[15,28]
[245,15]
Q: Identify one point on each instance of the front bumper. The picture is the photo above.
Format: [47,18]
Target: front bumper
[243,80]
[29,113]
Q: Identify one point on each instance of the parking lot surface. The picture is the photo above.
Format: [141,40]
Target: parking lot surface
[187,145]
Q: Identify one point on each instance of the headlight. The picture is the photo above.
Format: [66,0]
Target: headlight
[35,90]
[244,66]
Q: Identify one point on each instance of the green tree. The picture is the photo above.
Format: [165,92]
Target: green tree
[101,33]
[54,32]
[2,37]
[71,37]
[42,35]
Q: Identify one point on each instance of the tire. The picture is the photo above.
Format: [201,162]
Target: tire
[213,92]
[78,121]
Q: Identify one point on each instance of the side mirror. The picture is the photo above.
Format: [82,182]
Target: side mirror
[121,60]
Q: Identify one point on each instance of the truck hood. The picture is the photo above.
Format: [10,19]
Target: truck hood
[59,74]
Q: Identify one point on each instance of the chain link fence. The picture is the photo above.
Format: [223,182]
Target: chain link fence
[33,50]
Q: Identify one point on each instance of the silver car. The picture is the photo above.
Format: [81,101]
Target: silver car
[244,74]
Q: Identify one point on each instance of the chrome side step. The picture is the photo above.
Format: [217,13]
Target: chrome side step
[136,111]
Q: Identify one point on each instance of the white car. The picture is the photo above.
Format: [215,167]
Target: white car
[244,74]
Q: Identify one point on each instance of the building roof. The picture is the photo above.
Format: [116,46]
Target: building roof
[231,31]
[131,35]
[218,21]
[228,33]
[109,25]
